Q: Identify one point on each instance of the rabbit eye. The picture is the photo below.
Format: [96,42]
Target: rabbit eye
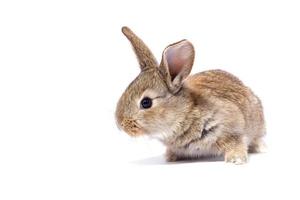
[146,103]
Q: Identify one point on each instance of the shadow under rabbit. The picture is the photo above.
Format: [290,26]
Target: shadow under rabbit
[160,160]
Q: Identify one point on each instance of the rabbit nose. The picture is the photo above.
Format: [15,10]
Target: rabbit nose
[128,123]
[131,127]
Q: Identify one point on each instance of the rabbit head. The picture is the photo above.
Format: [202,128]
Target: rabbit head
[154,102]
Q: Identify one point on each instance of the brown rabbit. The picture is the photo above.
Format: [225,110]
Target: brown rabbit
[211,113]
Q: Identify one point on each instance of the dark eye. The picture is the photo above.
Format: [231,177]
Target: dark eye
[146,103]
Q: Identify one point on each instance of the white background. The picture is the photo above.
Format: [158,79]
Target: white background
[64,64]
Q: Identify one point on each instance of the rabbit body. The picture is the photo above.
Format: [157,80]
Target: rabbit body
[229,119]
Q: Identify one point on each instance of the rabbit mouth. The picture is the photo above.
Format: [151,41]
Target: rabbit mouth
[134,132]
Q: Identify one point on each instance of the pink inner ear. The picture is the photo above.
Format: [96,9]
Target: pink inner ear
[177,57]
[174,62]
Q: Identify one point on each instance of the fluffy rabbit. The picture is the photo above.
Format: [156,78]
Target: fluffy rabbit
[211,113]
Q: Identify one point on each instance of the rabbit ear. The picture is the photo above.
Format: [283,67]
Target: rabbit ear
[177,62]
[143,53]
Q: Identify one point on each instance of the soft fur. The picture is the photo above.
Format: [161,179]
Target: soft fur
[207,114]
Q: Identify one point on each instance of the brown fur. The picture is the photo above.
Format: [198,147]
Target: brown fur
[206,114]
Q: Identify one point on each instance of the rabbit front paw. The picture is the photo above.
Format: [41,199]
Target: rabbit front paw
[237,158]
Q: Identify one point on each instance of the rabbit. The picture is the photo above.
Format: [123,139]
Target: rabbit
[211,113]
